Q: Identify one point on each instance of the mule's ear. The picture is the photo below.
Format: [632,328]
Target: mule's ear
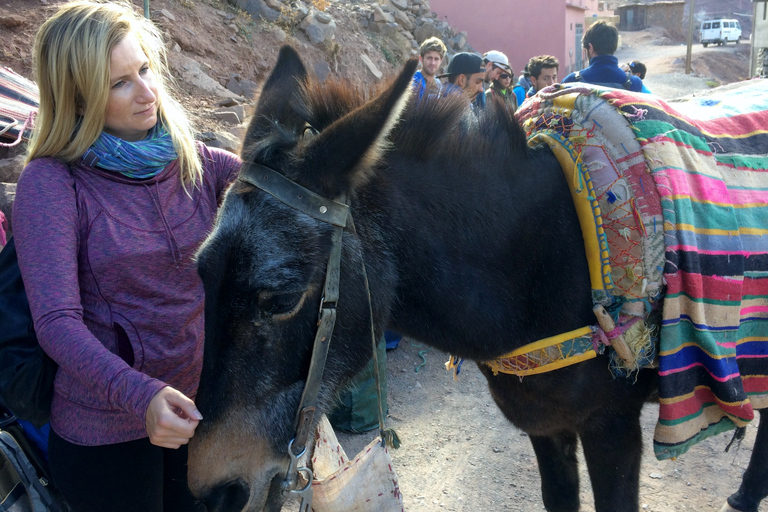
[279,94]
[342,156]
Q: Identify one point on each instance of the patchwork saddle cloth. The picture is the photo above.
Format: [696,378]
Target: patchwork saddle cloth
[673,205]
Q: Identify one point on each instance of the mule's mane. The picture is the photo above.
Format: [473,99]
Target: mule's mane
[427,128]
[448,128]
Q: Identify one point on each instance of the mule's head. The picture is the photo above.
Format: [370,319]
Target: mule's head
[263,269]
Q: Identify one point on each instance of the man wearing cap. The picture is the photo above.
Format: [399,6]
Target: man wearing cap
[466,74]
[495,64]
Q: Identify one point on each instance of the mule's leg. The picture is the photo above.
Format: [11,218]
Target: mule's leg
[613,447]
[754,485]
[559,471]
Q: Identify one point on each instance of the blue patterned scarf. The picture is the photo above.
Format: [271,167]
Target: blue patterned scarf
[141,159]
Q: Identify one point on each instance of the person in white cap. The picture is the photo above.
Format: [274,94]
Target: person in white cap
[495,63]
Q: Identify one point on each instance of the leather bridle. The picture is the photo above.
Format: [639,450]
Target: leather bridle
[337,215]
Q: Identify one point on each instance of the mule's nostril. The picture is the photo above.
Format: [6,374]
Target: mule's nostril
[229,497]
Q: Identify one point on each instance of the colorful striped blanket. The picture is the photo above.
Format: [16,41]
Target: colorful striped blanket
[19,101]
[680,214]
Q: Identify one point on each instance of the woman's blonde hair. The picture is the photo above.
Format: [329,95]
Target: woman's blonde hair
[72,59]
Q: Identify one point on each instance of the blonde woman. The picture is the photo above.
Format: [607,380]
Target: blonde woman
[114,200]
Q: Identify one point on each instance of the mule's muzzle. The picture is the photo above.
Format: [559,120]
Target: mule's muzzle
[228,497]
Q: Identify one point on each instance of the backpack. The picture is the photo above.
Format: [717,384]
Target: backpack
[626,85]
[3,227]
[520,93]
[24,478]
[26,371]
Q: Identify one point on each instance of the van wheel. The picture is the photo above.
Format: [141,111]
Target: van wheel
[738,40]
[705,44]
[725,41]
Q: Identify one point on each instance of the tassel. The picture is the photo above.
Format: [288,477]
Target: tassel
[737,436]
[390,438]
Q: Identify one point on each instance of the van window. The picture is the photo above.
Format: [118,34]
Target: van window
[707,26]
[727,24]
[737,25]
[716,24]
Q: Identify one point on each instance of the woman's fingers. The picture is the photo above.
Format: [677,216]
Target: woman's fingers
[171,418]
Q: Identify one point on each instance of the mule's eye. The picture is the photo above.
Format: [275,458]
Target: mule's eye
[279,304]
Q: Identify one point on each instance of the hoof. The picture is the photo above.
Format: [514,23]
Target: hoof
[728,508]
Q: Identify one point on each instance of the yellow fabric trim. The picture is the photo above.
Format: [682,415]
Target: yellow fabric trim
[548,342]
[566,101]
[586,209]
[722,232]
[497,366]
[694,199]
[555,366]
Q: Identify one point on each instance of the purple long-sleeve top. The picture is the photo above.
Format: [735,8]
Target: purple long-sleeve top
[108,267]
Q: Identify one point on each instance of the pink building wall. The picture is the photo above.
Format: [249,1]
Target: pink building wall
[521,28]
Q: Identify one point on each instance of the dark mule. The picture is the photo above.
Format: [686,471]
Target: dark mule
[466,234]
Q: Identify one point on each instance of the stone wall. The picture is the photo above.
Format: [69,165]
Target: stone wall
[668,15]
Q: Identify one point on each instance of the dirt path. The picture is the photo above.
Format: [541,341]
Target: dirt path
[459,453]
[715,65]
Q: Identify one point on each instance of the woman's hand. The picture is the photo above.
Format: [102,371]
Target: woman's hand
[171,418]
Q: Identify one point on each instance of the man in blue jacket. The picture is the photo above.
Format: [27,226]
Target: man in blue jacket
[600,41]
[431,53]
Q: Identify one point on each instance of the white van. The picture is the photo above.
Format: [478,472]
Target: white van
[720,31]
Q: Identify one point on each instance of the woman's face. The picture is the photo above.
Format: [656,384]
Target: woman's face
[505,80]
[132,105]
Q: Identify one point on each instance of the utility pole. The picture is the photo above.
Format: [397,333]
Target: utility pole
[752,67]
[146,9]
[691,18]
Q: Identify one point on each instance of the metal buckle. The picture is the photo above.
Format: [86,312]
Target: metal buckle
[305,493]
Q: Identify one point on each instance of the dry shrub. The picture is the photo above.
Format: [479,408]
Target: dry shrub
[321,5]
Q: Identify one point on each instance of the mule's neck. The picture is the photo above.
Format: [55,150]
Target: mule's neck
[487,259]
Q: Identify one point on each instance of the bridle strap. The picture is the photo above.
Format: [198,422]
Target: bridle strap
[336,214]
[326,322]
[294,195]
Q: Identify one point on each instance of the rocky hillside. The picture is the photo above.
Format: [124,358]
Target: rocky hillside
[232,44]
[221,50]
